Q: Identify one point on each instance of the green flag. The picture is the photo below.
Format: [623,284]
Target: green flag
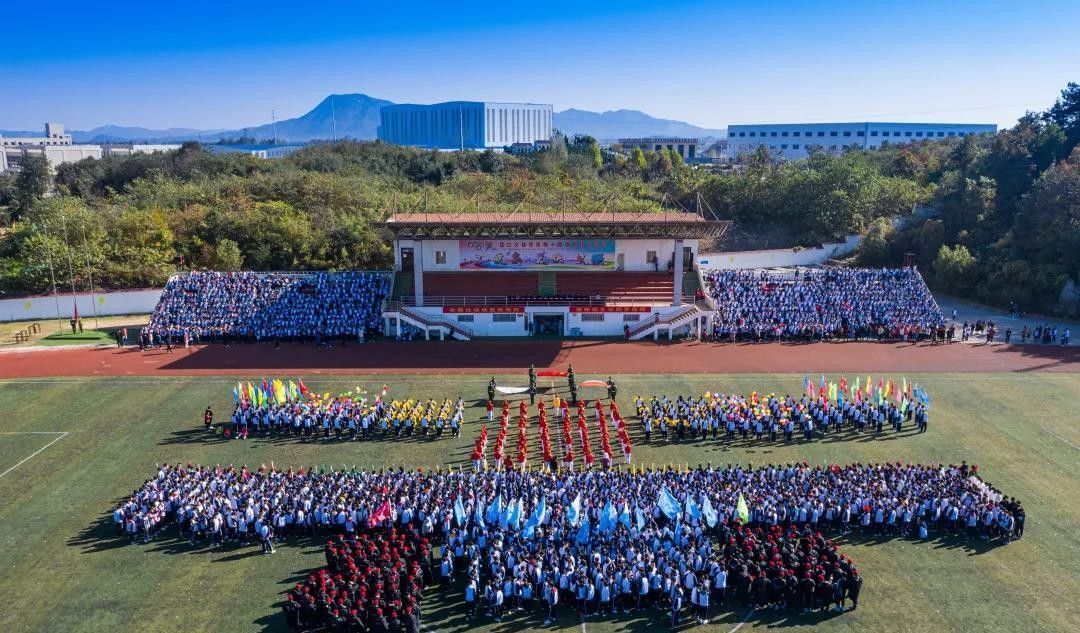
[744,512]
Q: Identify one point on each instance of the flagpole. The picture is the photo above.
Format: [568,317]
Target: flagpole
[90,276]
[52,276]
[71,270]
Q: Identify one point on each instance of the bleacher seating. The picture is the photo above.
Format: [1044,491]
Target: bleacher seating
[480,284]
[270,305]
[619,287]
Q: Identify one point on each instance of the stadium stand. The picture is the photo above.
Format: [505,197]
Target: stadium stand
[822,303]
[211,305]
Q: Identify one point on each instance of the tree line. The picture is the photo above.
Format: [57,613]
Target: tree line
[991,218]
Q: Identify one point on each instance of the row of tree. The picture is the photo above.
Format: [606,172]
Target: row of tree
[992,218]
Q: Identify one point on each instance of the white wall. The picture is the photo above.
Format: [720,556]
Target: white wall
[778,257]
[107,303]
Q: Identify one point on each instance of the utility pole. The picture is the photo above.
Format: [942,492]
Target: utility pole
[333,119]
[90,277]
[461,128]
[273,118]
[52,277]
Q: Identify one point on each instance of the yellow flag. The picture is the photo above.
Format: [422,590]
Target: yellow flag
[744,512]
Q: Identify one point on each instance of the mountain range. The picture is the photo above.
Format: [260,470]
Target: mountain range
[356,116]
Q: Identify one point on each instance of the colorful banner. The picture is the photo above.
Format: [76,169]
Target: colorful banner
[554,254]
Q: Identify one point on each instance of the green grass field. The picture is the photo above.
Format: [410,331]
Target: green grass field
[62,570]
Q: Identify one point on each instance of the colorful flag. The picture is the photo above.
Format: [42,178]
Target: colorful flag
[708,511]
[380,515]
[744,512]
[668,504]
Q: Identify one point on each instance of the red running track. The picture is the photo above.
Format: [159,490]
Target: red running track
[492,357]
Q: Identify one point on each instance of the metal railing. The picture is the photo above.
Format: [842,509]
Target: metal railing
[487,300]
[668,320]
[435,321]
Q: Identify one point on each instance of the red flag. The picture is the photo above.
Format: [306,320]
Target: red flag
[303,389]
[380,515]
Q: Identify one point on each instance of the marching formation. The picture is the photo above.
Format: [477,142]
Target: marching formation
[607,542]
[822,304]
[270,306]
[818,412]
[276,408]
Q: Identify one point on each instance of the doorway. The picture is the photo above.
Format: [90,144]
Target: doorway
[687,259]
[620,261]
[548,324]
[407,259]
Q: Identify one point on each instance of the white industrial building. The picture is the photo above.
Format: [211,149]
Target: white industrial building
[465,124]
[57,148]
[794,140]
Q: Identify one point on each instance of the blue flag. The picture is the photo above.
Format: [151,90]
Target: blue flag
[609,519]
[494,510]
[692,510]
[668,504]
[583,532]
[639,516]
[709,512]
[535,520]
[515,514]
[573,512]
[459,512]
[624,516]
[479,514]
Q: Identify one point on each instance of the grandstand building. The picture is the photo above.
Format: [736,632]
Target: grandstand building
[559,274]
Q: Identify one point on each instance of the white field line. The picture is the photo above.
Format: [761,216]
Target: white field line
[743,621]
[1059,438]
[63,434]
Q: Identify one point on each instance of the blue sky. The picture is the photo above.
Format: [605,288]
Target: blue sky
[227,64]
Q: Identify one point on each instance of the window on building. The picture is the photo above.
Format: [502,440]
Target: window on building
[783,134]
[961,134]
[907,133]
[650,257]
[753,134]
[784,146]
[860,133]
[630,318]
[795,133]
[503,318]
[592,317]
[832,147]
[940,134]
[440,257]
[466,318]
[744,133]
[847,132]
[833,133]
[918,134]
[822,134]
[873,132]
[772,134]
[795,146]
[896,133]
[952,133]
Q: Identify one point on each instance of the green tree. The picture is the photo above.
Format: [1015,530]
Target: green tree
[639,159]
[1065,113]
[31,183]
[952,268]
[227,255]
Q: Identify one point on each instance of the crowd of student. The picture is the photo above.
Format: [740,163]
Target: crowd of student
[771,417]
[347,418]
[822,304]
[269,306]
[604,542]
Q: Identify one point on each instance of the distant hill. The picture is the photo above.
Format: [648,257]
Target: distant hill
[356,116]
[615,124]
